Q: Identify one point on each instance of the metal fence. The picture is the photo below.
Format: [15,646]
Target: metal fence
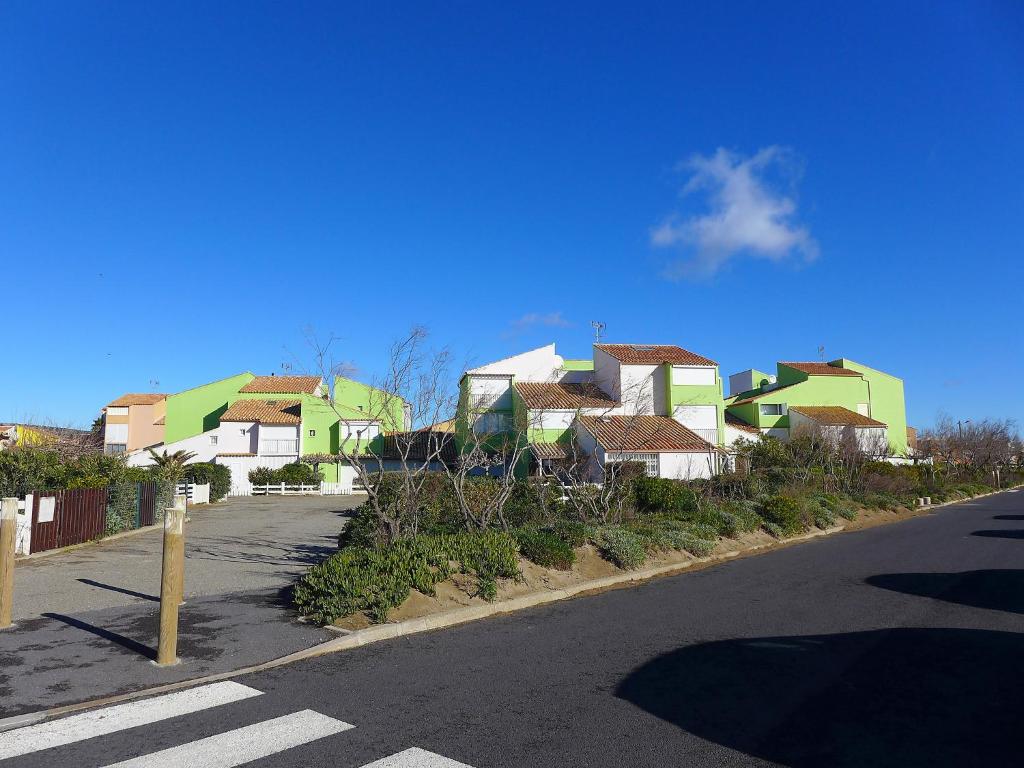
[63,518]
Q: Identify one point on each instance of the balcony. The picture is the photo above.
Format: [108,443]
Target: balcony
[711,435]
[279,447]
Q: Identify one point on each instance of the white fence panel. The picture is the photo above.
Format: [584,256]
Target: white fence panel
[343,488]
[193,493]
[23,527]
[240,488]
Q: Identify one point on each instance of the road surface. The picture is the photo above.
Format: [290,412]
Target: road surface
[900,645]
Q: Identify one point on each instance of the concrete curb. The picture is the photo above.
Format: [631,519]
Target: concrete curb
[375,634]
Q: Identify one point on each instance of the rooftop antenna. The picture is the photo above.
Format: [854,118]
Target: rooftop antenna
[821,353]
[154,384]
[598,327]
[286,368]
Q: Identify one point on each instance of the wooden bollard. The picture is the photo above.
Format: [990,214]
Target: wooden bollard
[8,524]
[179,504]
[170,586]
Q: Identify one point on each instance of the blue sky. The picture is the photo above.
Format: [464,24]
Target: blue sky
[184,189]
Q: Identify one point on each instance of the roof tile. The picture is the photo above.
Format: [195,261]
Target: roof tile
[282,385]
[563,396]
[835,416]
[653,354]
[650,434]
[137,398]
[820,369]
[265,411]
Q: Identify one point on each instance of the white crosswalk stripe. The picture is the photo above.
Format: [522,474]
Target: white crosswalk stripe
[416,758]
[101,722]
[240,746]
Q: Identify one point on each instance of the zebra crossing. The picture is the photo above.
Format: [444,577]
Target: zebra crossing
[231,748]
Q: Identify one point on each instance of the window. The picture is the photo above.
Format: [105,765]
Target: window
[773,409]
[491,422]
[279,447]
[117,410]
[241,431]
[649,460]
[213,439]
[312,433]
[114,448]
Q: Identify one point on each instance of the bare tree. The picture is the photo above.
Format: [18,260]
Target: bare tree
[398,429]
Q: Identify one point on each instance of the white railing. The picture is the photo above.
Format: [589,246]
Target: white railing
[336,489]
[283,489]
[279,447]
[711,435]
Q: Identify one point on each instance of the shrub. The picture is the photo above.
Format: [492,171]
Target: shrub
[261,476]
[823,517]
[297,473]
[362,529]
[217,475]
[122,498]
[774,530]
[663,496]
[378,579]
[623,547]
[575,533]
[744,514]
[545,548]
[784,512]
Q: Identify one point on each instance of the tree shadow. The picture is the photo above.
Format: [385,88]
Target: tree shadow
[998,590]
[1009,533]
[901,697]
[122,590]
[125,642]
[1008,517]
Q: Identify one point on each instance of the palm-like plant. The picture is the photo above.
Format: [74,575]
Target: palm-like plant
[171,466]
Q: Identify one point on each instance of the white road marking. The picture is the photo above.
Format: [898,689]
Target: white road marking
[120,717]
[416,758]
[243,745]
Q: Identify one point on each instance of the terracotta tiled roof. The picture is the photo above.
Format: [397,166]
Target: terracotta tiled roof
[647,434]
[835,416]
[653,354]
[551,451]
[736,422]
[820,369]
[265,411]
[137,398]
[282,385]
[752,398]
[563,396]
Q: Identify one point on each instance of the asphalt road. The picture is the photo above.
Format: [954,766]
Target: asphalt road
[86,620]
[900,645]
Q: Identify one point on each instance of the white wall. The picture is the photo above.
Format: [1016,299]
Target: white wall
[589,448]
[732,435]
[236,437]
[742,382]
[643,390]
[693,375]
[197,444]
[541,364]
[697,416]
[606,373]
[552,419]
[685,466]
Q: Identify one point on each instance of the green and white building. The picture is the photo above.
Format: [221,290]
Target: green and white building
[657,404]
[247,421]
[837,397]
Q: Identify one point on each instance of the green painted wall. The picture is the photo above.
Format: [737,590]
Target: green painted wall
[845,391]
[578,365]
[695,394]
[888,403]
[197,410]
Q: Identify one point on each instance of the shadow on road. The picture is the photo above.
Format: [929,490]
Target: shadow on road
[1008,517]
[113,637]
[122,590]
[902,697]
[999,590]
[1004,534]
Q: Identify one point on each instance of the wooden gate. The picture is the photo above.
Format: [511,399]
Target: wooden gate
[63,518]
[146,499]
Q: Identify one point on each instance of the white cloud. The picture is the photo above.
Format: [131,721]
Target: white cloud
[749,213]
[531,319]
